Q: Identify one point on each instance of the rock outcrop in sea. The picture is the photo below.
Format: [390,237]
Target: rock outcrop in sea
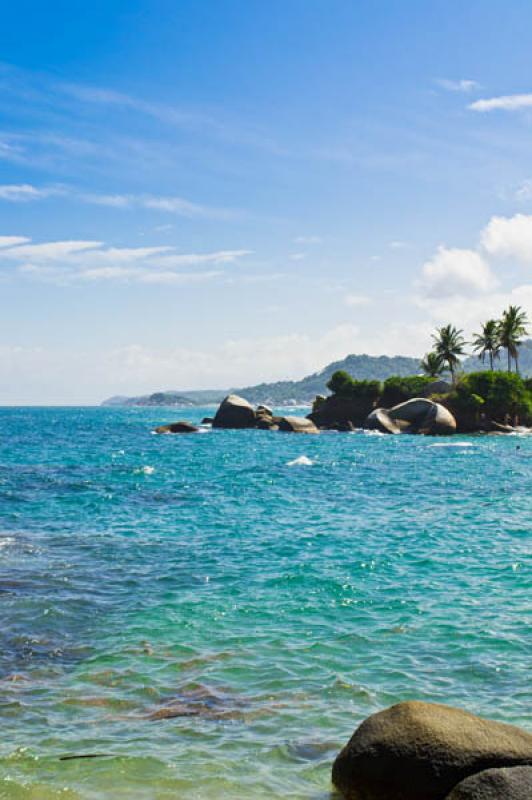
[428,751]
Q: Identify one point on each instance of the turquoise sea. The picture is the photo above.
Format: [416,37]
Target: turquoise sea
[213,622]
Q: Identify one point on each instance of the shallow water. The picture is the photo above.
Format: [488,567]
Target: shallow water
[212,615]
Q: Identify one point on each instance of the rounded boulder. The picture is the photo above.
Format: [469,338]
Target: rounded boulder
[297,425]
[507,783]
[421,751]
[234,412]
[177,427]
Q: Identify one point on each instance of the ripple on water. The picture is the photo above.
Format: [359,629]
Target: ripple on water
[216,624]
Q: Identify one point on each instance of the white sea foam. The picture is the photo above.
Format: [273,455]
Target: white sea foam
[452,444]
[5,541]
[301,461]
[146,470]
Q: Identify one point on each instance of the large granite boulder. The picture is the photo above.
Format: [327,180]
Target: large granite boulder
[380,420]
[177,427]
[234,412]
[420,751]
[505,783]
[297,425]
[424,416]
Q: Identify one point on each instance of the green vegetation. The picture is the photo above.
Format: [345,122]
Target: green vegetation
[399,389]
[512,328]
[500,396]
[449,345]
[432,365]
[488,341]
[342,384]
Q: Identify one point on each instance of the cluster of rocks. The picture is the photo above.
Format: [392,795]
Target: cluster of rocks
[415,416]
[236,413]
[427,751]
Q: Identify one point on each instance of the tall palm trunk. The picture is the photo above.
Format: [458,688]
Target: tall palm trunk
[491,360]
[509,360]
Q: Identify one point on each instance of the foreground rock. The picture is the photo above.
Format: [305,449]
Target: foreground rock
[418,415]
[421,751]
[297,425]
[507,783]
[177,427]
[234,412]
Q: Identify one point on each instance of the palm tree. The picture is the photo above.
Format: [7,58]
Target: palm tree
[449,344]
[488,341]
[512,328]
[432,365]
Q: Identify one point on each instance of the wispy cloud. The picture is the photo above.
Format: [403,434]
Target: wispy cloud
[354,300]
[308,239]
[457,85]
[74,261]
[509,102]
[10,241]
[25,192]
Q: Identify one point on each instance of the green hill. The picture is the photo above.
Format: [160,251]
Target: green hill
[362,367]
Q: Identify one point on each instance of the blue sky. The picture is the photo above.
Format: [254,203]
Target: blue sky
[209,194]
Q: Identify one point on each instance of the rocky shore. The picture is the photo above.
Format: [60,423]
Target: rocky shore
[419,415]
[427,751]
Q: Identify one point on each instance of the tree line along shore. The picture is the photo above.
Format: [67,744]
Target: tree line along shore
[441,400]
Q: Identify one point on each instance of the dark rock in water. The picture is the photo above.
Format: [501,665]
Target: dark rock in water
[297,425]
[264,419]
[200,701]
[506,783]
[177,427]
[267,424]
[207,420]
[501,427]
[420,751]
[234,412]
[342,427]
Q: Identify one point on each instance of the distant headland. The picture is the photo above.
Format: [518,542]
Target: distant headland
[303,392]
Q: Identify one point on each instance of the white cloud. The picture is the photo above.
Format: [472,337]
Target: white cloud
[70,261]
[509,102]
[21,192]
[398,244]
[454,271]
[25,192]
[308,240]
[297,256]
[457,85]
[48,251]
[9,241]
[509,237]
[356,300]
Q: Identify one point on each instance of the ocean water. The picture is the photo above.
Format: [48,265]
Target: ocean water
[211,615]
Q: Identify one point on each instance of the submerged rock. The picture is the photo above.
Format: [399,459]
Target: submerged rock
[234,412]
[506,783]
[420,751]
[297,425]
[177,427]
